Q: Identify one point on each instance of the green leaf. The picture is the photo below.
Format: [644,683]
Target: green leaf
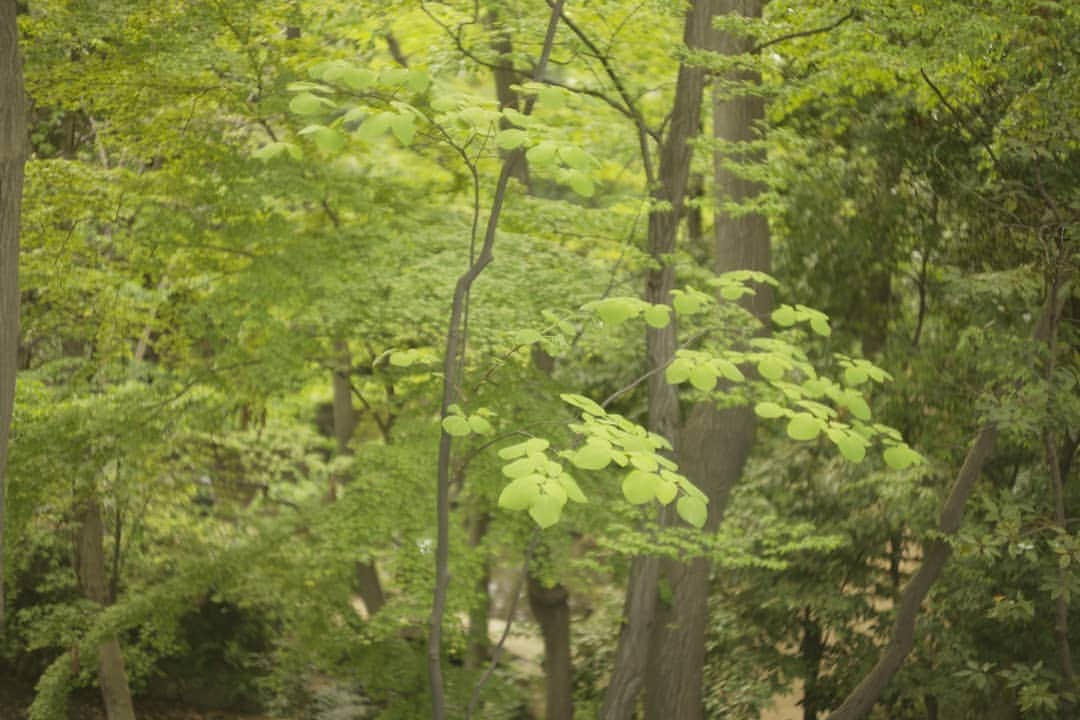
[581,183]
[546,510]
[519,468]
[403,358]
[542,153]
[329,140]
[358,78]
[576,158]
[855,376]
[375,126]
[769,410]
[900,457]
[692,510]
[729,370]
[639,487]
[850,444]
[820,325]
[511,139]
[591,457]
[803,426]
[514,451]
[480,425]
[536,445]
[616,310]
[678,371]
[703,377]
[557,491]
[308,104]
[643,461]
[456,425]
[734,292]
[666,492]
[404,128]
[573,490]
[657,316]
[785,316]
[519,495]
[586,404]
[684,303]
[856,404]
[770,368]
[417,80]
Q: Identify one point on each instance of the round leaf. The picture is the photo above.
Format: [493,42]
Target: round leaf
[803,426]
[703,377]
[591,457]
[545,510]
[456,425]
[639,487]
[900,457]
[784,316]
[657,316]
[692,510]
[768,410]
[518,495]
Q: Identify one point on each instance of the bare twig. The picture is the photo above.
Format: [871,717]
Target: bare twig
[803,33]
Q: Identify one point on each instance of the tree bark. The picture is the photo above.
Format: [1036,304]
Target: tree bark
[714,445]
[91,569]
[480,610]
[345,421]
[12,158]
[664,415]
[550,607]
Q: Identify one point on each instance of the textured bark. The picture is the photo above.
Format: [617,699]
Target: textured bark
[664,413]
[345,420]
[12,159]
[91,569]
[713,447]
[551,609]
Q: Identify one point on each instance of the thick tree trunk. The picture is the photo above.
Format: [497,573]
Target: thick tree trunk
[714,444]
[12,158]
[92,579]
[551,609]
[664,413]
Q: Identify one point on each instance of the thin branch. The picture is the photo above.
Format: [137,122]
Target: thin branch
[498,649]
[803,33]
[960,119]
[450,377]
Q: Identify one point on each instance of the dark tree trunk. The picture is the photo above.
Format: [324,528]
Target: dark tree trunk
[551,609]
[13,141]
[92,579]
[713,447]
[664,413]
[368,584]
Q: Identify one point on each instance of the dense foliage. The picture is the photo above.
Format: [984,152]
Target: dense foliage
[245,225]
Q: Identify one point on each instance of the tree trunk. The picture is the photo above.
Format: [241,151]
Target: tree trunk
[12,158]
[92,579]
[551,609]
[480,610]
[345,420]
[664,413]
[713,447]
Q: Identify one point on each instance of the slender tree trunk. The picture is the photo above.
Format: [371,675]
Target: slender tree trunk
[550,607]
[345,420]
[12,157]
[713,447]
[811,650]
[92,579]
[480,610]
[639,612]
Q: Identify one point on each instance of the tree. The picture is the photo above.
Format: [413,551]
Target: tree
[12,157]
